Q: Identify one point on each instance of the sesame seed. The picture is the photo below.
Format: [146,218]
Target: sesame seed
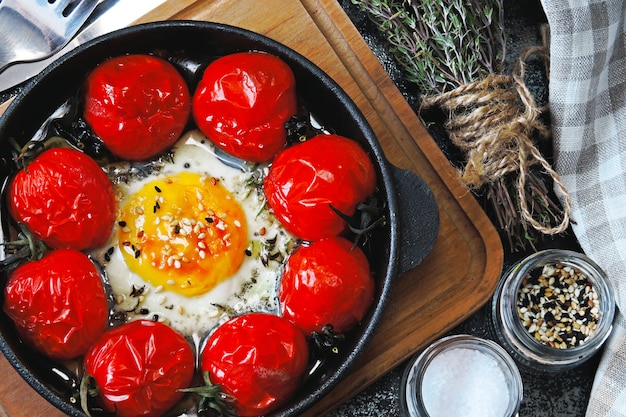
[554,306]
[108,253]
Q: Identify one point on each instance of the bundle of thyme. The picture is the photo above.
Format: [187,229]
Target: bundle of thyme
[454,52]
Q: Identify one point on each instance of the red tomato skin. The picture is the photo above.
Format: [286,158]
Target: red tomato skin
[326,282]
[306,179]
[242,103]
[137,104]
[58,303]
[65,199]
[259,359]
[139,367]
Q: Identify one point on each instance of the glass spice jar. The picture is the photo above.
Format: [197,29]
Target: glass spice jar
[461,375]
[553,310]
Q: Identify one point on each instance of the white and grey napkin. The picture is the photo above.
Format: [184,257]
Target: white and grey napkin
[588,105]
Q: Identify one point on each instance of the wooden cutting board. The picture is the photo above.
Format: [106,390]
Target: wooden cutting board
[461,272]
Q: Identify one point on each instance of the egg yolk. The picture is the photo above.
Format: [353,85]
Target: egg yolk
[185,233]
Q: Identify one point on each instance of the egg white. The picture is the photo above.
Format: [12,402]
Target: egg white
[251,288]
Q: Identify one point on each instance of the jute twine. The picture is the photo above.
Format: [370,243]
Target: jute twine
[493,122]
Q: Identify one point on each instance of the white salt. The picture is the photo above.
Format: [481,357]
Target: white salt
[465,382]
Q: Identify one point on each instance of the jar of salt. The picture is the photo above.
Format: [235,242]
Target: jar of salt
[461,375]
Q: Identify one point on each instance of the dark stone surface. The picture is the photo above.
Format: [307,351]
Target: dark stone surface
[545,394]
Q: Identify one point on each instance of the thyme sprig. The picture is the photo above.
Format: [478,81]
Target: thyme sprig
[454,52]
[442,45]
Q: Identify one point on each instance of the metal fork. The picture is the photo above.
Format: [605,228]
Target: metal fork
[31,30]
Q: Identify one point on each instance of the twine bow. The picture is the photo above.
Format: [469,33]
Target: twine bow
[492,121]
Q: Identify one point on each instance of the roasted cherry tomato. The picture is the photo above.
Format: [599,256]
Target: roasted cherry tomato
[243,102]
[65,199]
[137,104]
[326,283]
[140,367]
[305,180]
[58,303]
[258,359]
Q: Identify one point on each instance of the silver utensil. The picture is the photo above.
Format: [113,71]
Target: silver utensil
[110,15]
[35,29]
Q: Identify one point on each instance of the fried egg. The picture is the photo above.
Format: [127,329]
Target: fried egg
[194,243]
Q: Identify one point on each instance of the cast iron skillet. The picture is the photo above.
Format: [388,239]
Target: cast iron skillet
[402,243]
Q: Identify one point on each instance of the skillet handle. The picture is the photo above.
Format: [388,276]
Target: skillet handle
[418,218]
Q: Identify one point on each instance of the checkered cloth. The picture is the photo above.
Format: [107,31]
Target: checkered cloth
[588,107]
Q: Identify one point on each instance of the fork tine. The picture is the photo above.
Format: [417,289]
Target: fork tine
[85,5]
